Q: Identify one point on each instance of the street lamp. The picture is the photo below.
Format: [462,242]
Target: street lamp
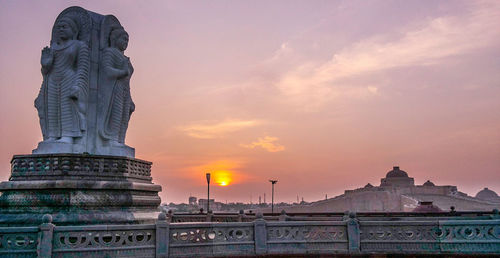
[273,182]
[208,192]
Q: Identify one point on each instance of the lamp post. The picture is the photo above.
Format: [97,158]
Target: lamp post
[208,192]
[273,182]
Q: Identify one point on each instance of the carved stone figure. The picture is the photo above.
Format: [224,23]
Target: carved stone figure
[82,172]
[115,88]
[84,104]
[62,101]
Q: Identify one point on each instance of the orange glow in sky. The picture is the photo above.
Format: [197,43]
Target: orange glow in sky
[223,172]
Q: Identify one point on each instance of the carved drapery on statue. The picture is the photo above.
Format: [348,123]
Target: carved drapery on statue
[84,104]
[62,101]
[117,104]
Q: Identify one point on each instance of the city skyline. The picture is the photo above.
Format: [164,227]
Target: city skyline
[323,96]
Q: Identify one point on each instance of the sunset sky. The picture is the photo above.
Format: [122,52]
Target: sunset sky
[321,95]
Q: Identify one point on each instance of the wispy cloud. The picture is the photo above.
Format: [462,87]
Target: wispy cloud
[266,143]
[430,42]
[209,130]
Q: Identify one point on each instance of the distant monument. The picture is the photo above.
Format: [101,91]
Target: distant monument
[397,192]
[397,177]
[82,171]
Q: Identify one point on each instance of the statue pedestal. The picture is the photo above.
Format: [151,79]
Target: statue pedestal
[78,189]
[77,148]
[116,150]
[58,147]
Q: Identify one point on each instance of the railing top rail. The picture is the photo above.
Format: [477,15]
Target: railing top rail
[18,229]
[211,224]
[470,222]
[399,223]
[431,222]
[104,227]
[359,214]
[306,223]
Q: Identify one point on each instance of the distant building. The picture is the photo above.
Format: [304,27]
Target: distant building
[203,202]
[192,200]
[398,192]
[397,178]
[488,195]
[214,206]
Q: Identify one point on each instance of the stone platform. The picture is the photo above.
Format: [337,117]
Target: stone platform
[64,148]
[78,189]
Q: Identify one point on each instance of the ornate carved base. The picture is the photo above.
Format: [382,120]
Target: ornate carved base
[81,217]
[79,189]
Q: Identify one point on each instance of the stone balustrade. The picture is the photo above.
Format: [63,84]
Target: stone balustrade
[259,237]
[324,216]
[79,166]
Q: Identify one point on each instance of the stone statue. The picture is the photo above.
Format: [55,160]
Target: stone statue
[84,104]
[81,172]
[115,86]
[62,101]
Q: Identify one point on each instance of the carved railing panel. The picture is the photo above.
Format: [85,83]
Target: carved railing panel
[124,240]
[18,242]
[315,237]
[469,236]
[399,237]
[477,236]
[211,239]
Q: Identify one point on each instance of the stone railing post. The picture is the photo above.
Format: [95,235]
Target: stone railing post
[353,233]
[170,216]
[240,216]
[495,215]
[162,235]
[44,248]
[210,215]
[260,235]
[282,216]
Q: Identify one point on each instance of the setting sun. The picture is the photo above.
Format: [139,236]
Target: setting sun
[223,172]
[222,177]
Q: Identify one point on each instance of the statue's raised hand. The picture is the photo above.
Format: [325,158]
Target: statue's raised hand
[47,57]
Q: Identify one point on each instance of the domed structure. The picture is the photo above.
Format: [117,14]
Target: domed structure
[429,183]
[487,194]
[397,178]
[396,172]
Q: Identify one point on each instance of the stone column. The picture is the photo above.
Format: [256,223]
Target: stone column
[353,233]
[260,235]
[162,235]
[44,248]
